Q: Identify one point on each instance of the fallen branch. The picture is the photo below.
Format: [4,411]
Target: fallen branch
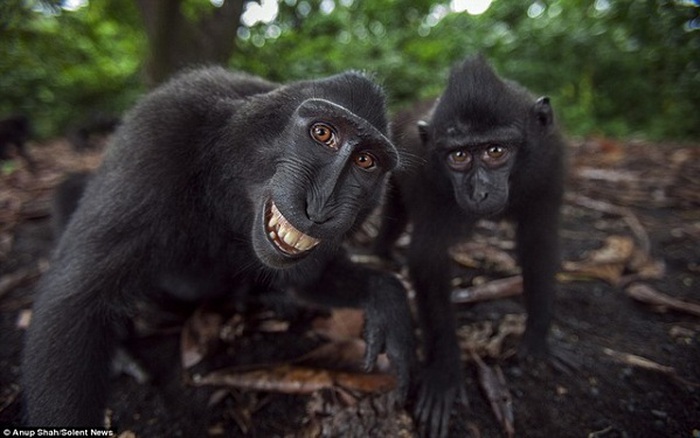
[494,385]
[493,290]
[647,364]
[649,295]
[291,379]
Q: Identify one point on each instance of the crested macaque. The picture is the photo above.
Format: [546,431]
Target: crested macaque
[216,180]
[485,149]
[16,130]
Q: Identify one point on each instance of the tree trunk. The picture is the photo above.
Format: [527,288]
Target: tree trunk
[175,42]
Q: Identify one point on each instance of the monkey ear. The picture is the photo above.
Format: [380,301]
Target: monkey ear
[543,112]
[423,126]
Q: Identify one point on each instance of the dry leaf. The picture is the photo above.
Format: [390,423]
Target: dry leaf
[291,379]
[347,355]
[342,324]
[481,338]
[607,263]
[480,254]
[199,335]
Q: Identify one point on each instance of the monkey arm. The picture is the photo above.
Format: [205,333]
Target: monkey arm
[68,349]
[388,324]
[441,383]
[538,248]
[537,242]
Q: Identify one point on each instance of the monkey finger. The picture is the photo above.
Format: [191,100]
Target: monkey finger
[441,420]
[423,411]
[403,373]
[374,341]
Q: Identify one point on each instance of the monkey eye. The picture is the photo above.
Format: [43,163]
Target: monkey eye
[496,152]
[459,159]
[365,161]
[323,133]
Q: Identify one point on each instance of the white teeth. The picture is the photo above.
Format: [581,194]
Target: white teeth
[290,238]
[305,243]
[285,236]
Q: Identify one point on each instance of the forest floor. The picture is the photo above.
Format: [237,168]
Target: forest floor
[627,309]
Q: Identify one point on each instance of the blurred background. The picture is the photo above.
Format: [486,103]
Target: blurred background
[614,68]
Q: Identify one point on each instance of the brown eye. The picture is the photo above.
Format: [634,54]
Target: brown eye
[364,160]
[496,152]
[323,133]
[459,159]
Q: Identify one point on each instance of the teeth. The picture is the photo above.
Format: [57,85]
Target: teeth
[285,236]
[290,238]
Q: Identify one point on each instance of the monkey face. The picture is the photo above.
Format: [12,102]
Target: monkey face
[329,175]
[480,177]
[477,162]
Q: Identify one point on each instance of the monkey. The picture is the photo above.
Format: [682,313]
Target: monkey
[16,130]
[214,181]
[485,149]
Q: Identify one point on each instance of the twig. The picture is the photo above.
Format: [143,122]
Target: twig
[627,215]
[649,295]
[494,385]
[493,290]
[647,364]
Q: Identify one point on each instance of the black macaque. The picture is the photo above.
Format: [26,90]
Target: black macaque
[486,148]
[16,130]
[214,181]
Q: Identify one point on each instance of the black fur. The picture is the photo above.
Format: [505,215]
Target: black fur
[459,180]
[183,198]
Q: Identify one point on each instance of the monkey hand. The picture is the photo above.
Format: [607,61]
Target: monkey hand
[441,384]
[388,328]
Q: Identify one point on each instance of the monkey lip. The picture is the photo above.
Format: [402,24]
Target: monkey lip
[283,235]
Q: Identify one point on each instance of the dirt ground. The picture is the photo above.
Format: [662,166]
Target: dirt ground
[627,309]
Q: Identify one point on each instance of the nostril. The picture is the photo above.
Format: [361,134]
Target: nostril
[480,196]
[316,220]
[315,215]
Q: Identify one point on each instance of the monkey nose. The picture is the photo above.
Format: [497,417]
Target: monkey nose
[479,195]
[316,215]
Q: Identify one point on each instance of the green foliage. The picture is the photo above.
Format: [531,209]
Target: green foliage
[613,67]
[59,67]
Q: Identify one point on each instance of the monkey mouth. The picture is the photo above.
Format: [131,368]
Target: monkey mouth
[283,235]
